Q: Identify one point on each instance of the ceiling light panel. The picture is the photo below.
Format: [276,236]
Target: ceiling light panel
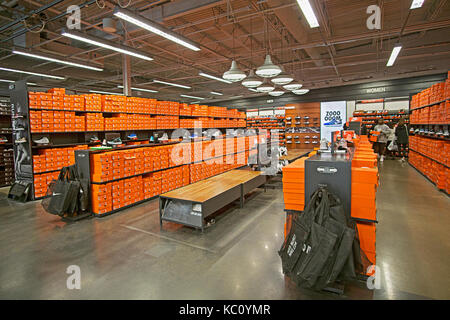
[417,4]
[191,97]
[394,55]
[32,73]
[308,12]
[106,92]
[105,44]
[52,59]
[172,84]
[140,89]
[155,28]
[213,77]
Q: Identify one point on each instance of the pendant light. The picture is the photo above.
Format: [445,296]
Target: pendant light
[300,91]
[268,69]
[293,86]
[265,87]
[251,81]
[283,78]
[234,74]
[277,92]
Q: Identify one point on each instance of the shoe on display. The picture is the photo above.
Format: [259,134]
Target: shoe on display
[307,142]
[288,118]
[115,142]
[94,139]
[19,127]
[421,131]
[306,118]
[21,140]
[3,139]
[381,158]
[132,136]
[314,142]
[446,133]
[152,139]
[440,132]
[417,131]
[307,137]
[334,123]
[43,140]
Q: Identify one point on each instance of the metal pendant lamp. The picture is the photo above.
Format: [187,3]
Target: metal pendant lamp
[300,91]
[293,86]
[283,78]
[234,74]
[277,92]
[252,81]
[265,87]
[268,69]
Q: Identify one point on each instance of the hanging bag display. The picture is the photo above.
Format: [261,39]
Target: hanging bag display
[62,194]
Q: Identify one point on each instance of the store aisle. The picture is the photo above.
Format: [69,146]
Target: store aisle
[413,235]
[126,256]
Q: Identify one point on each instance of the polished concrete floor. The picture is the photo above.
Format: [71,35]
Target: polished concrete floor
[127,256]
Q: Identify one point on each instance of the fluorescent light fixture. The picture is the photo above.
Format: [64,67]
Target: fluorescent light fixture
[192,97]
[11,81]
[213,77]
[48,58]
[417,4]
[140,89]
[172,84]
[394,55]
[32,73]
[216,93]
[308,12]
[253,90]
[293,86]
[155,28]
[104,44]
[105,92]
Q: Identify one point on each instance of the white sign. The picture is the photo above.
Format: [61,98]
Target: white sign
[376,90]
[332,117]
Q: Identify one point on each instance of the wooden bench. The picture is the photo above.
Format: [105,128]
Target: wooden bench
[199,200]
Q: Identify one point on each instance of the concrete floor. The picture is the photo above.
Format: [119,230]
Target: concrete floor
[126,256]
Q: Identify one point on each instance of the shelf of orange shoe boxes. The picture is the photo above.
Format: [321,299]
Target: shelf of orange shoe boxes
[92,102]
[185,109]
[364,185]
[52,160]
[94,122]
[113,103]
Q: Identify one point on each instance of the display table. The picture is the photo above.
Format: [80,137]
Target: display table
[191,204]
[295,154]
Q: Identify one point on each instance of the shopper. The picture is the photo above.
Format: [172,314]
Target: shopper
[401,133]
[380,145]
[390,137]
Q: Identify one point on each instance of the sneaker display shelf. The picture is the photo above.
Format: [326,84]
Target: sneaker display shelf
[6,146]
[429,134]
[303,126]
[370,118]
[69,122]
[275,126]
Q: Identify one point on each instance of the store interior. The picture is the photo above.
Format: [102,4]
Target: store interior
[178,150]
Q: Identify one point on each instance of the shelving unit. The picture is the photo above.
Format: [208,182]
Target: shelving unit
[274,124]
[303,126]
[69,122]
[370,118]
[6,148]
[430,139]
[121,178]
